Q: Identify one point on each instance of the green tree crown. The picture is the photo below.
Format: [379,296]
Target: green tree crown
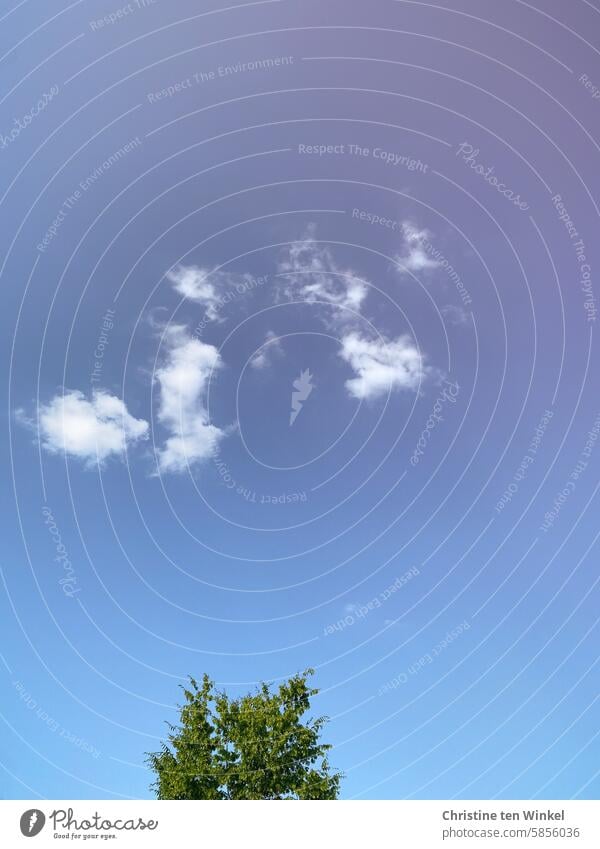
[254,747]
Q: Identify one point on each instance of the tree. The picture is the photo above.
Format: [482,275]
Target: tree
[254,747]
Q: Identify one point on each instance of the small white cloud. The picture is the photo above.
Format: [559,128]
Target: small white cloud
[382,365]
[313,275]
[270,349]
[417,251]
[259,361]
[192,282]
[91,430]
[455,315]
[212,289]
[183,380]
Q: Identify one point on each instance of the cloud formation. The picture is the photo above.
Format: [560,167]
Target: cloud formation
[183,380]
[313,275]
[90,429]
[381,365]
[211,289]
[265,355]
[416,251]
[192,282]
[455,315]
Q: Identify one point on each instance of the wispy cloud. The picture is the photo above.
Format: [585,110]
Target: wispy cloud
[210,288]
[312,274]
[192,282]
[416,250]
[91,430]
[183,380]
[382,365]
[269,350]
[455,315]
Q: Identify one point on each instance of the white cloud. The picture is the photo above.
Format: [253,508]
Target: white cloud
[91,430]
[313,275]
[455,315]
[192,282]
[270,349]
[382,365]
[417,250]
[212,289]
[183,380]
[260,360]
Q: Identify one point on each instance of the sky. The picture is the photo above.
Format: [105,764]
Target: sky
[298,318]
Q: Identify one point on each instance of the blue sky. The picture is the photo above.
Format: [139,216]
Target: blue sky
[298,312]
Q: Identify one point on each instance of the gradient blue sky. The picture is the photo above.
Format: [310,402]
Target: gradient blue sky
[476,677]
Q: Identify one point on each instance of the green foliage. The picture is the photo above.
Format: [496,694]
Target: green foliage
[254,747]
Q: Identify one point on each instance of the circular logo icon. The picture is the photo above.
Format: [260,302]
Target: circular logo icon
[32,822]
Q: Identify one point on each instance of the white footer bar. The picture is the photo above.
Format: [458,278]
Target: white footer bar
[296,825]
